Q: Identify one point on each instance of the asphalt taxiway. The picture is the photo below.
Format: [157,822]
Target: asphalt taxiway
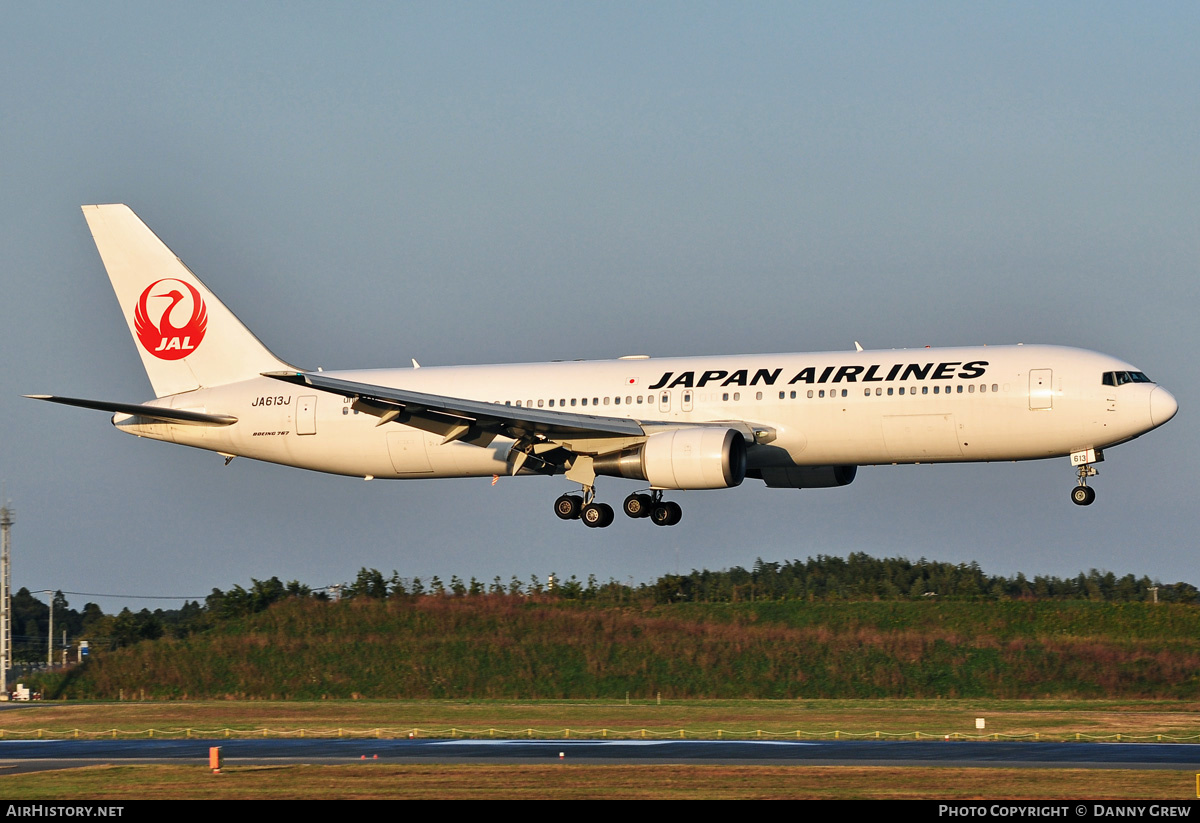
[27,755]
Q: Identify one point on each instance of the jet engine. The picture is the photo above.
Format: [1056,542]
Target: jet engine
[691,458]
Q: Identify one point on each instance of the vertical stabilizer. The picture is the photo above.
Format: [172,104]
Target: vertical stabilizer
[186,337]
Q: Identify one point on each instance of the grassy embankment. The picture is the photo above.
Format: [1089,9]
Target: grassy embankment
[498,647]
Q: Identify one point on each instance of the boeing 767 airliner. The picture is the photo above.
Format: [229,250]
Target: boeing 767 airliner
[789,420]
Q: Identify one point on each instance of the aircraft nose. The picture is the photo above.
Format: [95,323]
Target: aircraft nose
[1162,406]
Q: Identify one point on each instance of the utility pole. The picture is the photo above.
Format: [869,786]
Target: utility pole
[6,521]
[50,634]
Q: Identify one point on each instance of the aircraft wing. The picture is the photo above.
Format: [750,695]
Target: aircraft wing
[459,419]
[166,415]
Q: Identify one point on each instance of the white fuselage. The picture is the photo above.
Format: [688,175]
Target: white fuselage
[823,409]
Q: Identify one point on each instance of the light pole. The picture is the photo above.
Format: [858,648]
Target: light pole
[50,634]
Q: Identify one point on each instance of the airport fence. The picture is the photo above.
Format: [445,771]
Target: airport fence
[570,734]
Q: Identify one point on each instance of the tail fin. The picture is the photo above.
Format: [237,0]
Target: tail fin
[186,337]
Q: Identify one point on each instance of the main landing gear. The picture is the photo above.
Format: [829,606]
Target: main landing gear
[1083,494]
[598,515]
[661,512]
[573,507]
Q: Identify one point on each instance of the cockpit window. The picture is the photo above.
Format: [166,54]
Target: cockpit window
[1120,378]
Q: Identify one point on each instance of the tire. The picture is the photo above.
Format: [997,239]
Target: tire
[592,515]
[676,513]
[1082,495]
[660,515]
[568,506]
[637,505]
[608,515]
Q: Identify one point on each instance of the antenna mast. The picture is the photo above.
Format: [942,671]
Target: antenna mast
[6,521]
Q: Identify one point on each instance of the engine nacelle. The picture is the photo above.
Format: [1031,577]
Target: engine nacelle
[691,458]
[808,477]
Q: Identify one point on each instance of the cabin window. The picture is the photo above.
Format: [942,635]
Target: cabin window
[758,395]
[902,390]
[960,388]
[971,389]
[889,391]
[725,396]
[995,387]
[606,401]
[821,393]
[866,392]
[845,392]
[584,402]
[595,401]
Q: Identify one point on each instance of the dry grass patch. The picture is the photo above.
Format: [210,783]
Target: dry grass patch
[568,781]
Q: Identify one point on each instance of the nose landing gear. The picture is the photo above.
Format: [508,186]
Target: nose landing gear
[1083,494]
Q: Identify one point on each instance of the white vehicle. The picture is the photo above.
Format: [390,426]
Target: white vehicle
[789,420]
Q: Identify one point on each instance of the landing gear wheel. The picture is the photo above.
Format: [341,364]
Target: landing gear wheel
[1083,495]
[568,507]
[597,515]
[637,505]
[676,513]
[666,514]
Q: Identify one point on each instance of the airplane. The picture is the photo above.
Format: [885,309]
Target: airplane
[801,421]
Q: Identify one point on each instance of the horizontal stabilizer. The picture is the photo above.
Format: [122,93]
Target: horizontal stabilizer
[153,412]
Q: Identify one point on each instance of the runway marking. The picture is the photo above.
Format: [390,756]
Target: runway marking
[600,742]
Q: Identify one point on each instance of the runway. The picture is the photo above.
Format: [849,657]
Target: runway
[27,755]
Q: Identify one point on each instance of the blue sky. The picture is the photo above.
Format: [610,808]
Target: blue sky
[467,183]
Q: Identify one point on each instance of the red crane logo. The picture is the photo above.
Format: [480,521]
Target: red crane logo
[164,339]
